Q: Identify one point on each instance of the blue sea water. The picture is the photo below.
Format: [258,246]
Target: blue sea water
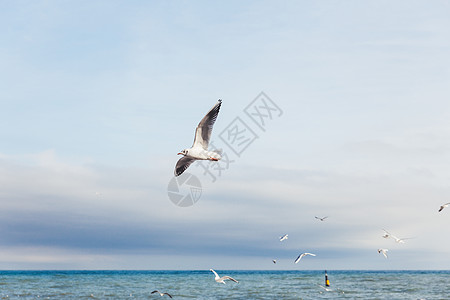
[201,285]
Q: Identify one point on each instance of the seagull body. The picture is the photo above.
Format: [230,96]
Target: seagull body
[284,237]
[301,256]
[443,206]
[384,252]
[321,219]
[223,278]
[162,294]
[199,149]
[274,261]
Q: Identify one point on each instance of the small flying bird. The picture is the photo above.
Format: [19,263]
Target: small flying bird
[321,219]
[199,149]
[301,255]
[162,294]
[443,206]
[223,278]
[274,261]
[397,240]
[384,252]
[284,237]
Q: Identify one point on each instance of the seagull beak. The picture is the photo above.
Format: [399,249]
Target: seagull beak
[179,153]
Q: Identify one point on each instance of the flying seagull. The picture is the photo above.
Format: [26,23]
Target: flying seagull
[443,206]
[274,261]
[384,251]
[397,240]
[199,149]
[321,219]
[284,237]
[162,294]
[223,278]
[301,255]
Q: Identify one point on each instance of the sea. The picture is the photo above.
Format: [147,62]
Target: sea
[201,285]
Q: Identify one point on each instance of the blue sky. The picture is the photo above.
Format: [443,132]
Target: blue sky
[99,96]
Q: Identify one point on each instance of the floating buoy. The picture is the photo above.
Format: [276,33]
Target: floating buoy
[327,282]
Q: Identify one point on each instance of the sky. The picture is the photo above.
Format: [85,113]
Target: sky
[98,97]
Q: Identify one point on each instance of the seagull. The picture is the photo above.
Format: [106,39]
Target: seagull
[321,219]
[199,149]
[301,255]
[274,261]
[443,206]
[384,251]
[397,240]
[223,278]
[284,237]
[162,294]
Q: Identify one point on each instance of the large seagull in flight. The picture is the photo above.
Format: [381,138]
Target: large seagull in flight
[199,149]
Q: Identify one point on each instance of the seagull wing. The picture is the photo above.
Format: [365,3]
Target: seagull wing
[310,254]
[155,292]
[443,206]
[204,128]
[299,257]
[228,277]
[182,164]
[167,294]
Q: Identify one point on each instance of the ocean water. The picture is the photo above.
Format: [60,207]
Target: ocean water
[201,285]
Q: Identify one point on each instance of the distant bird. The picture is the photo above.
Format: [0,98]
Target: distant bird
[301,255]
[162,294]
[199,149]
[274,261]
[396,239]
[321,219]
[384,252]
[223,278]
[284,237]
[443,206]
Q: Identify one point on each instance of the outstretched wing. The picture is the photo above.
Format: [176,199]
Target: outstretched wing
[167,295]
[204,128]
[182,164]
[155,292]
[231,278]
[443,206]
[299,257]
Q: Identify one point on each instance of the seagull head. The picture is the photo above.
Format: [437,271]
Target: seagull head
[184,152]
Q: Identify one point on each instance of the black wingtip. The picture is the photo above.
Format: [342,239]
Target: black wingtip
[220,100]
